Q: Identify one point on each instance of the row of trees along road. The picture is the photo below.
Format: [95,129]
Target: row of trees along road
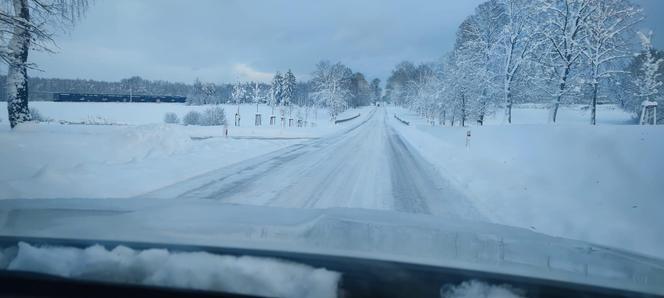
[552,51]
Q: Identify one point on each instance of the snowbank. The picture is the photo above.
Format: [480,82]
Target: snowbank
[196,270]
[600,184]
[53,160]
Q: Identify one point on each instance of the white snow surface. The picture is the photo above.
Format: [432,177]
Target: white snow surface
[600,184]
[478,289]
[50,160]
[192,270]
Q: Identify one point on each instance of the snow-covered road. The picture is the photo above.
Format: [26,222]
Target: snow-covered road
[366,166]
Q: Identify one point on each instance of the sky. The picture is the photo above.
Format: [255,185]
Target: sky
[224,41]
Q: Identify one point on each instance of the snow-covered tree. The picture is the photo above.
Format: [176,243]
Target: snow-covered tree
[563,31]
[517,43]
[239,93]
[480,40]
[398,84]
[330,84]
[360,93]
[648,80]
[257,94]
[202,93]
[419,96]
[376,91]
[608,31]
[26,24]
[288,91]
[461,71]
[276,90]
[209,92]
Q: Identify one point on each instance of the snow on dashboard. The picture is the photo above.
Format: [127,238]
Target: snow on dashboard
[478,289]
[159,267]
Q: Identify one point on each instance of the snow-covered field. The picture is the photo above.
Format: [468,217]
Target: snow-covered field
[537,113]
[595,183]
[51,160]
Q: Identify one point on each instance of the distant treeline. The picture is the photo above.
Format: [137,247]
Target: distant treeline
[42,89]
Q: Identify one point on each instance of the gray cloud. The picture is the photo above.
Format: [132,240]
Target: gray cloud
[228,40]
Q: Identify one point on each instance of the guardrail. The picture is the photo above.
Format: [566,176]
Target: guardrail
[347,119]
[401,120]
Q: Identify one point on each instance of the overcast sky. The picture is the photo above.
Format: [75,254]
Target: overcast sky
[229,40]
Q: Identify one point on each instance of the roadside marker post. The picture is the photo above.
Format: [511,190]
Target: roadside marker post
[468,139]
[225,129]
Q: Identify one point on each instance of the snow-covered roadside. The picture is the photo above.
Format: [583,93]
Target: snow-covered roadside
[50,160]
[599,184]
[58,161]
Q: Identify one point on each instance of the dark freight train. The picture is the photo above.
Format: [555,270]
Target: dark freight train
[86,97]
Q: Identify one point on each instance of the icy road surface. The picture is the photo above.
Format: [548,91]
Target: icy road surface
[367,166]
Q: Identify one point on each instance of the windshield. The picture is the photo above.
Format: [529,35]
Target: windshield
[499,135]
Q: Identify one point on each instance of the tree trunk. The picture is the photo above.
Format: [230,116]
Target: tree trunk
[554,109]
[463,110]
[561,89]
[508,104]
[593,108]
[17,74]
[480,119]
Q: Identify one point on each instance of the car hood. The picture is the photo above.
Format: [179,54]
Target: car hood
[372,234]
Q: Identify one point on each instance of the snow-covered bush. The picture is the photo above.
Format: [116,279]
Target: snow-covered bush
[36,116]
[210,117]
[192,118]
[214,117]
[171,118]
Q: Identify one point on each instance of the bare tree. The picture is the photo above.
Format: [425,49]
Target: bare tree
[26,24]
[517,44]
[563,30]
[257,94]
[609,28]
